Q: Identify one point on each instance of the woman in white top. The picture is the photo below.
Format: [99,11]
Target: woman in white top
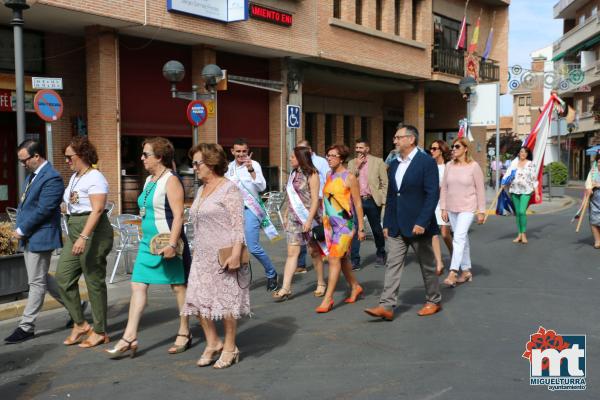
[89,241]
[521,188]
[441,153]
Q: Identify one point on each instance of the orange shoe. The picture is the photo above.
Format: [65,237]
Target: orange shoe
[354,295]
[326,309]
[380,312]
[429,309]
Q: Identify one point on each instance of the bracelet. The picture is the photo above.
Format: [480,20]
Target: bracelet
[81,235]
[173,246]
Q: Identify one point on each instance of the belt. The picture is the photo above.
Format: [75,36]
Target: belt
[366,197]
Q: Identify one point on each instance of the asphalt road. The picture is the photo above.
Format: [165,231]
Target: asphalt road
[470,350]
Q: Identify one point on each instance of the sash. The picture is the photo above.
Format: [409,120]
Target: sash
[256,206]
[299,209]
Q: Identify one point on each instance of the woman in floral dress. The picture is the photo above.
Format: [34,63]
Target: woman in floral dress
[522,187]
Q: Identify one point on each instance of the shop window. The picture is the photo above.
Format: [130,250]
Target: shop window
[348,129]
[337,9]
[378,13]
[397,17]
[33,51]
[358,12]
[310,126]
[329,128]
[521,100]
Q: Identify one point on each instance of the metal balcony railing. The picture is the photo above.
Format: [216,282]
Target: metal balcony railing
[489,70]
[448,61]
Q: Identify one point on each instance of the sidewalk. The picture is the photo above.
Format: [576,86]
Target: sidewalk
[548,205]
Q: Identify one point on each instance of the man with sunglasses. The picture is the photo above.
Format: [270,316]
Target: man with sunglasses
[409,221]
[372,177]
[38,232]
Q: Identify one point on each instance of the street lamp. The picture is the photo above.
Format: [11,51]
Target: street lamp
[17,7]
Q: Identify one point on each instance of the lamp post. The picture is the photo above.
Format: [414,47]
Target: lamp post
[17,7]
[174,72]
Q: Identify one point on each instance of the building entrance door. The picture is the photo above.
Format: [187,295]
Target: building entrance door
[8,161]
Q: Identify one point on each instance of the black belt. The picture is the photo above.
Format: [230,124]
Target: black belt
[366,197]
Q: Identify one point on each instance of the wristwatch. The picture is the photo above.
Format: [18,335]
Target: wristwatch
[251,170]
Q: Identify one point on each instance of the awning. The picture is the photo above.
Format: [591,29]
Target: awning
[581,46]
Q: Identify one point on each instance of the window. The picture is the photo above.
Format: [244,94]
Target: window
[358,12]
[528,100]
[528,119]
[364,128]
[397,17]
[446,32]
[33,51]
[310,125]
[582,19]
[337,9]
[347,129]
[521,119]
[594,11]
[378,13]
[329,128]
[521,100]
[578,106]
[590,103]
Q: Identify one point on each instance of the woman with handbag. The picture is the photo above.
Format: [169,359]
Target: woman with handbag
[88,243]
[341,198]
[216,288]
[300,213]
[163,257]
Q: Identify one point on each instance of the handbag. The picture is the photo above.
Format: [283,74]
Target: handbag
[245,267]
[161,241]
[318,233]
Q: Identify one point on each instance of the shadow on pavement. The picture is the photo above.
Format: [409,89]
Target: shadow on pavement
[28,386]
[270,334]
[23,357]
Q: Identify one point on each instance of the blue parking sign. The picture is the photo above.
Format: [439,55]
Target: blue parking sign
[293,116]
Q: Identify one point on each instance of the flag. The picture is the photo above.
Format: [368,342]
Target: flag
[488,44]
[475,38]
[505,205]
[462,130]
[580,211]
[462,36]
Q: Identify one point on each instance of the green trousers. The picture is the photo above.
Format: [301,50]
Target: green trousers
[92,263]
[521,202]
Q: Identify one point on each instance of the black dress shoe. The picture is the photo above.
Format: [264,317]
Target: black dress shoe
[18,336]
[70,322]
[272,284]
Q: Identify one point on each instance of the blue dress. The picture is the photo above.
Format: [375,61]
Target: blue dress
[158,218]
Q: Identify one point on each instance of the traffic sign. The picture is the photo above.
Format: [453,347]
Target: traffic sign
[293,116]
[491,151]
[48,105]
[46,83]
[197,112]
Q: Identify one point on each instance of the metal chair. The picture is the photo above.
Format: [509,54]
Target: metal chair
[273,203]
[128,228]
[110,206]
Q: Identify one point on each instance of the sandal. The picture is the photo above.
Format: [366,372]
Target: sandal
[71,341]
[221,363]
[321,289]
[87,343]
[282,294]
[180,348]
[209,356]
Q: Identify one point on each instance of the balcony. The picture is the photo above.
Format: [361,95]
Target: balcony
[572,77]
[452,62]
[577,35]
[566,8]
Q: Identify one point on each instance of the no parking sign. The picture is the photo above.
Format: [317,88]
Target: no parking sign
[197,112]
[48,105]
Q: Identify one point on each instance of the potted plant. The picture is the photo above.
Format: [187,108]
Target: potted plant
[13,274]
[558,178]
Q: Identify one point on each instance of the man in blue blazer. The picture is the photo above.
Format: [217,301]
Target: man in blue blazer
[409,221]
[38,231]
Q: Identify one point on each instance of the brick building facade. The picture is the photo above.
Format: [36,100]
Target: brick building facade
[357,68]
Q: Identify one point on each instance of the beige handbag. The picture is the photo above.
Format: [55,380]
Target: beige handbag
[225,253]
[161,241]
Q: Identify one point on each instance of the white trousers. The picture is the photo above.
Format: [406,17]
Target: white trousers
[461,250]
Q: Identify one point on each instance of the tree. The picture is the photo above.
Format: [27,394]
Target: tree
[509,143]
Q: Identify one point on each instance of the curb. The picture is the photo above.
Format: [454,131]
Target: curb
[15,309]
[568,202]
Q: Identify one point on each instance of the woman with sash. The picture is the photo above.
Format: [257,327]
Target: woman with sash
[300,214]
[592,189]
[341,198]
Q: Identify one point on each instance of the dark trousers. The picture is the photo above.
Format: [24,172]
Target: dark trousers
[302,257]
[373,213]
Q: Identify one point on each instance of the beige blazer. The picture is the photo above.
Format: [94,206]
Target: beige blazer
[377,177]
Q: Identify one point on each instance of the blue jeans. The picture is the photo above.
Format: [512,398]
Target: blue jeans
[373,214]
[302,257]
[252,232]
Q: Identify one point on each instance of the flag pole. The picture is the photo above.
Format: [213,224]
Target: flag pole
[493,205]
[585,205]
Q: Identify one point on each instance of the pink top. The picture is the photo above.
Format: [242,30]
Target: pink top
[463,188]
[363,179]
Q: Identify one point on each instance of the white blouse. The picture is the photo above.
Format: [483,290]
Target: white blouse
[526,179]
[78,191]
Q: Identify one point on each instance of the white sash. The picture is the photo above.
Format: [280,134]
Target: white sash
[298,208]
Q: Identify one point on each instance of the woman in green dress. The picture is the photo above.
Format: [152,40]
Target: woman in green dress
[161,209]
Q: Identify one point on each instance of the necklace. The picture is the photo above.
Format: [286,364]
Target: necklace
[147,192]
[74,196]
[207,193]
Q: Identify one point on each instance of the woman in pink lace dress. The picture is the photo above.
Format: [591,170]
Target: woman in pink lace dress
[216,291]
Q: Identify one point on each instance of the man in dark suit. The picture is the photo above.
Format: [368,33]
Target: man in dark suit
[38,230]
[409,221]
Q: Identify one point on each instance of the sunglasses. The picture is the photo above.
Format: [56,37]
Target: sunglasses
[147,154]
[68,157]
[434,148]
[197,164]
[457,146]
[23,161]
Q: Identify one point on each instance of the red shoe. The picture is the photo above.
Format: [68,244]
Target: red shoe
[326,309]
[354,295]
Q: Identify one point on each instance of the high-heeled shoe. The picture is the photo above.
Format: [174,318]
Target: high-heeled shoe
[180,348]
[465,276]
[117,352]
[321,289]
[282,294]
[209,356]
[87,343]
[354,295]
[71,341]
[326,309]
[451,278]
[235,358]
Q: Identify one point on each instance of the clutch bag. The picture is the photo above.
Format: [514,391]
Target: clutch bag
[161,241]
[225,253]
